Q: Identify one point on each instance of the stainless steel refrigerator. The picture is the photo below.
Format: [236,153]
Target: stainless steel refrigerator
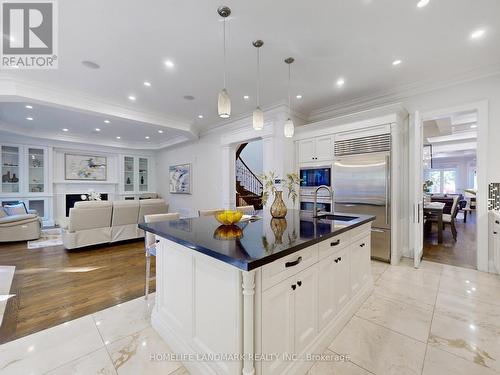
[362,185]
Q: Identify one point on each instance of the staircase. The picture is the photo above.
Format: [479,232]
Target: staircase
[248,185]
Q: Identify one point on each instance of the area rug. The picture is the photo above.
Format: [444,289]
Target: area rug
[48,237]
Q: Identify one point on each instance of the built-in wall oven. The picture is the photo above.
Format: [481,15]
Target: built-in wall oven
[311,178]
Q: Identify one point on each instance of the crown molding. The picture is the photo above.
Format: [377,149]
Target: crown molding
[17,90]
[399,93]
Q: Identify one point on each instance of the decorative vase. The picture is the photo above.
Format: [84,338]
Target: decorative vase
[142,180]
[278,226]
[128,180]
[278,208]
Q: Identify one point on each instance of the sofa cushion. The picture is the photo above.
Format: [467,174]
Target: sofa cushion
[15,209]
[18,218]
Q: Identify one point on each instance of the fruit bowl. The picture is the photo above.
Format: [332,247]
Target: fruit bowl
[228,217]
[228,232]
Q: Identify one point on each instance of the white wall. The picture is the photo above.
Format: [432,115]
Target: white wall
[205,156]
[252,156]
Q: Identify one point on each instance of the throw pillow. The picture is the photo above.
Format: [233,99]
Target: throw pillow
[2,212]
[16,209]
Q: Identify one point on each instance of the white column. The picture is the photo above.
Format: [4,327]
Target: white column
[228,177]
[248,322]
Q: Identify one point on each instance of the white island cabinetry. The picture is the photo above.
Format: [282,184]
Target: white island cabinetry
[275,314]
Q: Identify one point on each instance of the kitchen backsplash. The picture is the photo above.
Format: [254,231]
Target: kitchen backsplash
[494,196]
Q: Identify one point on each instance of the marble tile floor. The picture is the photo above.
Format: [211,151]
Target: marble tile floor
[438,319]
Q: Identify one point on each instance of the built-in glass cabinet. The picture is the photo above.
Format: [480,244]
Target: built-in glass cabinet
[136,175]
[11,169]
[36,170]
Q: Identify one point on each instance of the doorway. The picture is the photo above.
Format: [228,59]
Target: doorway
[450,186]
[416,177]
[249,166]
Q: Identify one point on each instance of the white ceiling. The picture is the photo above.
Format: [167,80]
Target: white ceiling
[356,40]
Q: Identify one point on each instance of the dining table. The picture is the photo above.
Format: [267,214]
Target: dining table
[435,209]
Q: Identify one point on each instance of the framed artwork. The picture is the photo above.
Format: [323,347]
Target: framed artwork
[85,167]
[180,179]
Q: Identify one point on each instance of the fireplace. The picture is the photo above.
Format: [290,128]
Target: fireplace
[71,199]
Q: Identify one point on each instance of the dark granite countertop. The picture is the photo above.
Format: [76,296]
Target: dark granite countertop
[261,242]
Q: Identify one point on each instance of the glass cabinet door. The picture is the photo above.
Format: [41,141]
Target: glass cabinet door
[128,176]
[143,174]
[36,170]
[10,169]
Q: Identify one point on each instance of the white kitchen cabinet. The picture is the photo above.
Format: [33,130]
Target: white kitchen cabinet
[360,263]
[342,277]
[327,305]
[495,241]
[277,324]
[289,317]
[305,309]
[316,149]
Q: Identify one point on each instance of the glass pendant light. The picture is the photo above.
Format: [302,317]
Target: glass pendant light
[224,102]
[289,128]
[258,115]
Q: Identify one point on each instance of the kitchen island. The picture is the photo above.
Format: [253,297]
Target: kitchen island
[259,297]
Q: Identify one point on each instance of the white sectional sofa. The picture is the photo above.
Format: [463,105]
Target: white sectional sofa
[98,222]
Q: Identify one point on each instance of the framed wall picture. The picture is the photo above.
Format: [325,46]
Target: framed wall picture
[180,179]
[85,167]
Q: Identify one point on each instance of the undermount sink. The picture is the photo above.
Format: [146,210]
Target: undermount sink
[336,217]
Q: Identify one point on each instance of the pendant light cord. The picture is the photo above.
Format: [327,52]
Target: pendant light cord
[224,27]
[289,79]
[258,77]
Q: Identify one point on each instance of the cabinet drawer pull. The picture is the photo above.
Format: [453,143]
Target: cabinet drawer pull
[362,245]
[335,243]
[497,222]
[299,283]
[495,233]
[294,263]
[294,286]
[157,241]
[338,260]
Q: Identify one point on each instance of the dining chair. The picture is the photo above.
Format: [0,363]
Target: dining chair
[210,212]
[246,209]
[150,243]
[450,218]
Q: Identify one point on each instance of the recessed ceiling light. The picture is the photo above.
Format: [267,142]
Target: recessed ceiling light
[340,82]
[147,137]
[107,121]
[396,62]
[169,63]
[97,129]
[473,126]
[299,96]
[479,33]
[118,137]
[29,118]
[132,98]
[200,116]
[147,84]
[423,3]
[246,97]
[64,130]
[28,106]
[160,131]
[90,64]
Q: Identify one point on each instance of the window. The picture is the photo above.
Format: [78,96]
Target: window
[444,180]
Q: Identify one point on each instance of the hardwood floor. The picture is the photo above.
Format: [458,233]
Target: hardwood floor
[53,285]
[461,253]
